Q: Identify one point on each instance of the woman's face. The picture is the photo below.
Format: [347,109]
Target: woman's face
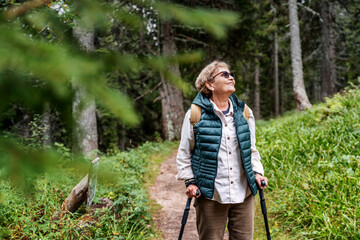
[223,84]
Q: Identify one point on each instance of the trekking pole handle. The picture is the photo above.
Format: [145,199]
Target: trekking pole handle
[186,214]
[187,208]
[263,183]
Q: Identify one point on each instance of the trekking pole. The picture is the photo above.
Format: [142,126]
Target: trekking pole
[185,215]
[263,209]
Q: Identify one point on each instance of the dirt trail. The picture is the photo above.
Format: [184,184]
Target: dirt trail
[170,194]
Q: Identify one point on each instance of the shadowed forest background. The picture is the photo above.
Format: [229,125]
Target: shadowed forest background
[254,38]
[82,79]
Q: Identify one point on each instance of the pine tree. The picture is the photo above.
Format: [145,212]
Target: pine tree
[297,67]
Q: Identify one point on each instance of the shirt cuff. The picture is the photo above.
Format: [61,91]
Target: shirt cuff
[259,170]
[184,173]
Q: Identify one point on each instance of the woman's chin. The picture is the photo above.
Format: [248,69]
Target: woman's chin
[232,90]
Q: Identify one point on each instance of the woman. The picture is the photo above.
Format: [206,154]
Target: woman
[218,159]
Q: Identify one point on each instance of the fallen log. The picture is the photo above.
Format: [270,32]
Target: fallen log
[77,196]
[82,192]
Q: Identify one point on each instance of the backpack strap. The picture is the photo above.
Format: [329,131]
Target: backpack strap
[246,112]
[195,114]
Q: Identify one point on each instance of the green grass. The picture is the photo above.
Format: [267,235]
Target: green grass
[122,177]
[312,160]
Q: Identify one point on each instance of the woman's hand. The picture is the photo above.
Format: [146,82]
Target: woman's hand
[191,191]
[258,179]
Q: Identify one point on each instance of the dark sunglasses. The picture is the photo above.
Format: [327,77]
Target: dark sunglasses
[225,74]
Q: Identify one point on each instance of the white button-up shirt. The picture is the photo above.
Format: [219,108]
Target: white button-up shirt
[230,182]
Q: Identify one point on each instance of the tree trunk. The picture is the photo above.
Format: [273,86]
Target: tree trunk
[301,97]
[85,137]
[46,122]
[257,90]
[171,97]
[276,74]
[121,132]
[282,86]
[317,88]
[328,64]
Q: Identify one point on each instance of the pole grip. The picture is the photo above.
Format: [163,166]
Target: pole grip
[263,183]
[185,217]
[186,212]
[262,202]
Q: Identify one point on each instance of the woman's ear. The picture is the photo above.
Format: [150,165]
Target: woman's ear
[209,86]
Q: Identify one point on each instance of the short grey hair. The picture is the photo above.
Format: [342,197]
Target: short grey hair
[206,76]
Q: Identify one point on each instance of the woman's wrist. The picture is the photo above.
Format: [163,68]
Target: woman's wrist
[189,182]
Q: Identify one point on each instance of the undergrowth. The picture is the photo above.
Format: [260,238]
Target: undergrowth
[312,160]
[122,178]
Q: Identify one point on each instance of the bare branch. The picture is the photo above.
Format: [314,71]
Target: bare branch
[312,54]
[148,47]
[311,11]
[148,91]
[187,38]
[157,99]
[23,8]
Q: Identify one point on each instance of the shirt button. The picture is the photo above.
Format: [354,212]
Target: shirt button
[225,125]
[231,182]
[231,168]
[228,138]
[229,152]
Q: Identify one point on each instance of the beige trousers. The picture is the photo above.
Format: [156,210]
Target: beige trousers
[211,219]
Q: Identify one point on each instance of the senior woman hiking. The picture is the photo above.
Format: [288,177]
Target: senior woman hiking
[217,157]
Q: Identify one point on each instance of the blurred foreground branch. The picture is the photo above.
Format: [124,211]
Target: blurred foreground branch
[23,8]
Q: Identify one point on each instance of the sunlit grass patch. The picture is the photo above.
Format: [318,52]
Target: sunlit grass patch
[312,161]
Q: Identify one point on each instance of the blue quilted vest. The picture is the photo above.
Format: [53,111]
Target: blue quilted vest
[207,145]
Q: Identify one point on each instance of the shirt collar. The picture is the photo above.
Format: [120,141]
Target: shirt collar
[231,111]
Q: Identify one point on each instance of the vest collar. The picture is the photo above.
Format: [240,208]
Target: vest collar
[206,104]
[237,104]
[203,102]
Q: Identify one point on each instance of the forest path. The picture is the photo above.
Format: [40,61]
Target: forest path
[170,194]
